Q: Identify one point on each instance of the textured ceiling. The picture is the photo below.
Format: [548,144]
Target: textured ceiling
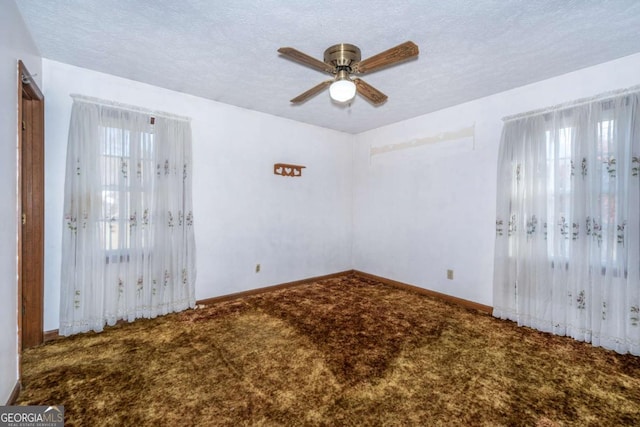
[227,50]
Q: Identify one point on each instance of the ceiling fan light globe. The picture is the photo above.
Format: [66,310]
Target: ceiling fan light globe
[342,90]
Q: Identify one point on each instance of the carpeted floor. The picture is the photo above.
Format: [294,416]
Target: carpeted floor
[340,352]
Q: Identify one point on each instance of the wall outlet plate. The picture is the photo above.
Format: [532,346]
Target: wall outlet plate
[450,274]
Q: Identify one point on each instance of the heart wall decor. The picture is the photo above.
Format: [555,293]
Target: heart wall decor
[286,169]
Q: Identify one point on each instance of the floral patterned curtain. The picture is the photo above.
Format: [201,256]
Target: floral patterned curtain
[128,247]
[567,256]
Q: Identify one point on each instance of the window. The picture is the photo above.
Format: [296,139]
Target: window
[560,168]
[126,161]
[605,223]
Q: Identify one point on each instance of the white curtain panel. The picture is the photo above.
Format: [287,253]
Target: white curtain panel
[567,256]
[128,247]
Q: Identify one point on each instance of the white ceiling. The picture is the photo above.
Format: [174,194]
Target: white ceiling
[227,50]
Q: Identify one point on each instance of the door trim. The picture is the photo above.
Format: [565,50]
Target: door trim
[30,187]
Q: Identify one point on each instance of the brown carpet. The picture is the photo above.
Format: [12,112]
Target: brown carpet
[340,352]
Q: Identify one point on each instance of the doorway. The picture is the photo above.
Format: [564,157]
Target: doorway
[31,210]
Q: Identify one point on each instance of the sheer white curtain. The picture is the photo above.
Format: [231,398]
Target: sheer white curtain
[128,246]
[567,257]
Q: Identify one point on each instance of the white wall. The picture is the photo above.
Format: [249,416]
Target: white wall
[15,43]
[244,214]
[421,211]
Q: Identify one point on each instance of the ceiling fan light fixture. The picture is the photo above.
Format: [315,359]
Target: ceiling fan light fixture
[343,61]
[342,90]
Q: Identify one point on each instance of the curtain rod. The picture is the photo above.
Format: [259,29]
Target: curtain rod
[106,103]
[600,97]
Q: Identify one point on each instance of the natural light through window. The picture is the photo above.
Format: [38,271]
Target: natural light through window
[122,177]
[559,171]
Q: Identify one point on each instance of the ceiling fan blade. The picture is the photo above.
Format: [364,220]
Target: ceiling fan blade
[311,92]
[369,92]
[305,59]
[392,56]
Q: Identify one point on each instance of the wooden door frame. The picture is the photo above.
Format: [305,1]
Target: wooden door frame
[30,187]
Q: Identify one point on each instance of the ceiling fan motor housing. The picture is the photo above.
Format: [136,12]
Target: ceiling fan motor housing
[342,56]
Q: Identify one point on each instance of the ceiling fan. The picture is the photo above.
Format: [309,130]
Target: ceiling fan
[343,61]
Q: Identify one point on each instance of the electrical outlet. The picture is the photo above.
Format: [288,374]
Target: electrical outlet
[257,268]
[450,274]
